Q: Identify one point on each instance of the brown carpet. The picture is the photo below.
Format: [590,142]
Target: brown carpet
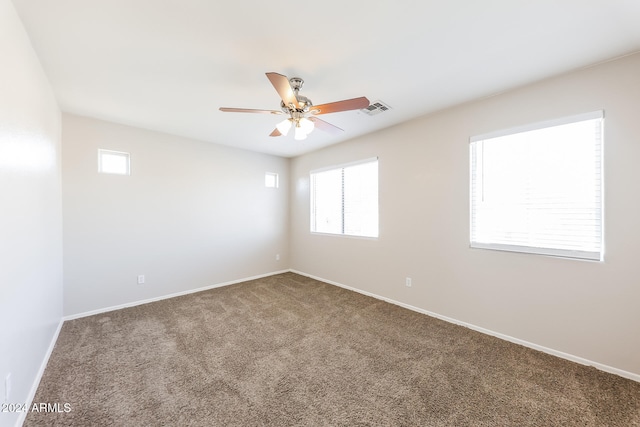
[287,350]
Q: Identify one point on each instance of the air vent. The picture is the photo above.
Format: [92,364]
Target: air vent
[376,107]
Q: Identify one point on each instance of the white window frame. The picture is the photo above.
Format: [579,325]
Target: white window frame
[344,228]
[124,155]
[595,249]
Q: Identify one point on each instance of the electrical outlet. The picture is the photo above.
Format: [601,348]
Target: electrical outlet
[141,279]
[407,282]
[277,257]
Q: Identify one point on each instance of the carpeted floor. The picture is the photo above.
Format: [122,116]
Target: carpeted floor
[287,350]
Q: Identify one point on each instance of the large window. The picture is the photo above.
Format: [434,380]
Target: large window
[538,189]
[344,199]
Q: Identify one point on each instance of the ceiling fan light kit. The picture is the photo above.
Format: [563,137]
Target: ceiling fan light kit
[300,109]
[284,126]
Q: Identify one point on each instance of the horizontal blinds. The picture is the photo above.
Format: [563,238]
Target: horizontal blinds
[540,190]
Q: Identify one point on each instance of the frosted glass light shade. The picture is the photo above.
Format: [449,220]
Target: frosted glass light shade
[300,134]
[284,126]
[306,125]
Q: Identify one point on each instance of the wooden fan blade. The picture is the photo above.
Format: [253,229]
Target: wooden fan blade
[325,126]
[275,132]
[346,105]
[249,110]
[283,87]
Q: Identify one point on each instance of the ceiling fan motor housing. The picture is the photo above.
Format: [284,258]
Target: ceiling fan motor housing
[304,103]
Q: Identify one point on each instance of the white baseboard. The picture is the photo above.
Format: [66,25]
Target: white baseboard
[163,297]
[557,353]
[36,382]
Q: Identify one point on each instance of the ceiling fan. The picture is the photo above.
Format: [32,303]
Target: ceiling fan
[301,111]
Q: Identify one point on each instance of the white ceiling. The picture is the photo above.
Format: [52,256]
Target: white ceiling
[168,65]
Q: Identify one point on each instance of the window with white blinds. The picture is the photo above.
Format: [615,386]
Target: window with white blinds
[538,189]
[344,199]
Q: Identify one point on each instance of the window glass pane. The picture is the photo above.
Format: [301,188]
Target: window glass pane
[344,200]
[113,162]
[327,202]
[361,200]
[539,191]
[271,180]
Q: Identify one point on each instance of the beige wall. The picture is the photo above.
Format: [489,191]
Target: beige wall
[190,215]
[586,309]
[30,213]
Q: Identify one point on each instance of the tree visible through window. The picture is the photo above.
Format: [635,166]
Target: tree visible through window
[538,189]
[344,200]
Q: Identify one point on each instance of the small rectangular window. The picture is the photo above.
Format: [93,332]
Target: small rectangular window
[114,162]
[271,180]
[538,189]
[344,200]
